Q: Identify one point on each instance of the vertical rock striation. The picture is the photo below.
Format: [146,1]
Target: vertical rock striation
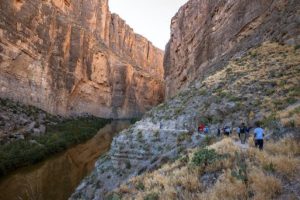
[206,34]
[74,57]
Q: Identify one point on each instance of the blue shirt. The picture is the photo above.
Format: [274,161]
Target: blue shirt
[259,133]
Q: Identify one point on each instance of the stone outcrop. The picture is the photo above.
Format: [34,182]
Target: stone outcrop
[206,34]
[19,122]
[74,57]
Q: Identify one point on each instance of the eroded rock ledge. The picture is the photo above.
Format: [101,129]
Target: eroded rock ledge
[74,57]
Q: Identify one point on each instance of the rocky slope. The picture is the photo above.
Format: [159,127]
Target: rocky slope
[73,57]
[206,34]
[18,121]
[261,85]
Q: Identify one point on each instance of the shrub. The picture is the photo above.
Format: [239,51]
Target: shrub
[183,137]
[133,120]
[269,121]
[203,92]
[157,134]
[140,136]
[208,140]
[269,167]
[253,54]
[128,164]
[241,171]
[205,157]
[151,196]
[113,196]
[297,47]
[140,186]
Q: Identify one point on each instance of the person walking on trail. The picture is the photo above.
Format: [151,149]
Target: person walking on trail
[201,128]
[227,130]
[238,130]
[219,132]
[206,130]
[259,136]
[243,133]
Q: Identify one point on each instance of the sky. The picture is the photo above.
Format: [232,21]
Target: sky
[149,18]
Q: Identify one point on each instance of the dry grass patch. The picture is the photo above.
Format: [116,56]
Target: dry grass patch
[281,160]
[262,186]
[250,174]
[225,146]
[286,146]
[227,187]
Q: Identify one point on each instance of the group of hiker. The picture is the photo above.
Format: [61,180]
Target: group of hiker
[242,131]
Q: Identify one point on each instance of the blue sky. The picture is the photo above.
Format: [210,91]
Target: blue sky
[150,18]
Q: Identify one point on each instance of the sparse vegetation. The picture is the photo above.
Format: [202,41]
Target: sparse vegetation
[151,196]
[205,157]
[183,137]
[250,174]
[113,196]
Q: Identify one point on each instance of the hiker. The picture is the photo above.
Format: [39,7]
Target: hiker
[243,133]
[259,136]
[201,128]
[227,130]
[218,132]
[206,130]
[238,130]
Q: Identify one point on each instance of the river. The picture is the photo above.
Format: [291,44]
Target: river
[57,177]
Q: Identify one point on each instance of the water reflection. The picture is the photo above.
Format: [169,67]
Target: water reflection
[57,177]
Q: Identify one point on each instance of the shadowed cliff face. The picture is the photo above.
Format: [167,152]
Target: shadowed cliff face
[74,57]
[206,34]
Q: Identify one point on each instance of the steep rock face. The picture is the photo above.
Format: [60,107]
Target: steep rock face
[206,34]
[74,57]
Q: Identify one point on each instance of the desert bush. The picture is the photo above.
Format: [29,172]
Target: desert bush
[151,196]
[113,196]
[140,186]
[183,137]
[205,157]
[240,172]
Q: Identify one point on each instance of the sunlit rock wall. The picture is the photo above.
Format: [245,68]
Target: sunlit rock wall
[75,57]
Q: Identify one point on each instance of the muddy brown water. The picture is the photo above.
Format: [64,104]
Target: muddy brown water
[57,177]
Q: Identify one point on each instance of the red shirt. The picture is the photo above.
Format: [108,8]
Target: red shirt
[201,127]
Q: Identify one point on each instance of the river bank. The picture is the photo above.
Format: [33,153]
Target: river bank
[58,137]
[58,175]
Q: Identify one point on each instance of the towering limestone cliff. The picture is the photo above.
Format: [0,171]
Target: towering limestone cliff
[73,57]
[250,80]
[206,34]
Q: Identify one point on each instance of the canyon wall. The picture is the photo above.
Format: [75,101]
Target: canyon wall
[75,57]
[206,34]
